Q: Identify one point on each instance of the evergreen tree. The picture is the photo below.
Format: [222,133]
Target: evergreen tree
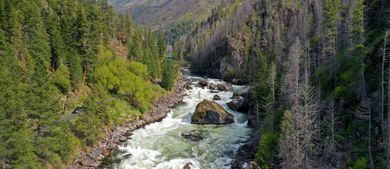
[58,54]
[169,74]
[49,47]
[83,40]
[161,44]
[16,139]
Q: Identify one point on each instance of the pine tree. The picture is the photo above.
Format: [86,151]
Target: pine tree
[359,52]
[42,88]
[135,46]
[52,22]
[169,74]
[162,47]
[84,40]
[37,41]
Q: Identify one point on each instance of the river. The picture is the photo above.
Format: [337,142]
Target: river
[161,146]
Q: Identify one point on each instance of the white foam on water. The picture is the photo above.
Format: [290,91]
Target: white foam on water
[160,145]
[178,164]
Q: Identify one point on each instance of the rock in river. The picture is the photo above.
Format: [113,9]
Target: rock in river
[237,103]
[213,86]
[187,166]
[187,86]
[210,112]
[240,102]
[202,83]
[192,135]
[224,87]
[216,97]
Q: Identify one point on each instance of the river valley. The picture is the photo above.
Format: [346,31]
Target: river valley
[161,145]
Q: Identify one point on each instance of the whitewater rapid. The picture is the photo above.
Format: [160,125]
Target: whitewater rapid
[161,146]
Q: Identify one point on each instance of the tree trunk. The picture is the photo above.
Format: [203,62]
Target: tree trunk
[388,106]
[273,78]
[383,88]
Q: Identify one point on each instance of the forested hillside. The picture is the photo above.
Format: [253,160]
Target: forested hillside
[66,74]
[175,18]
[318,71]
[320,77]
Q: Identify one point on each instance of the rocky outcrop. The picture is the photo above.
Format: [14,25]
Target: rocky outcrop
[210,112]
[93,156]
[223,54]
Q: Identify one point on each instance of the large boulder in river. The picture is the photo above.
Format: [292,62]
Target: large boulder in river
[224,87]
[210,112]
[202,83]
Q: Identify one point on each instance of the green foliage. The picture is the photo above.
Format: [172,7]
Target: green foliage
[22,147]
[286,125]
[331,17]
[170,72]
[230,73]
[62,76]
[76,71]
[139,69]
[135,46]
[267,149]
[57,48]
[121,77]
[361,163]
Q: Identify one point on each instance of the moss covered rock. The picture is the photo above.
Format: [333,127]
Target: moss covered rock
[210,112]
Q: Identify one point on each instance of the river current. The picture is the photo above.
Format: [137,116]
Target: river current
[161,146]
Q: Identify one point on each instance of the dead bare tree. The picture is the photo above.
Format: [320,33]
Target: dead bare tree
[300,126]
[291,79]
[384,60]
[273,84]
[388,98]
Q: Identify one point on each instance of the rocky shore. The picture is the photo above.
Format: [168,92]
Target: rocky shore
[243,158]
[93,156]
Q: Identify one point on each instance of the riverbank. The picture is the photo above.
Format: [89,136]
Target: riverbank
[243,159]
[93,157]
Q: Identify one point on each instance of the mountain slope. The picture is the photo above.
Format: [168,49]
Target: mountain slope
[176,16]
[164,12]
[65,77]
